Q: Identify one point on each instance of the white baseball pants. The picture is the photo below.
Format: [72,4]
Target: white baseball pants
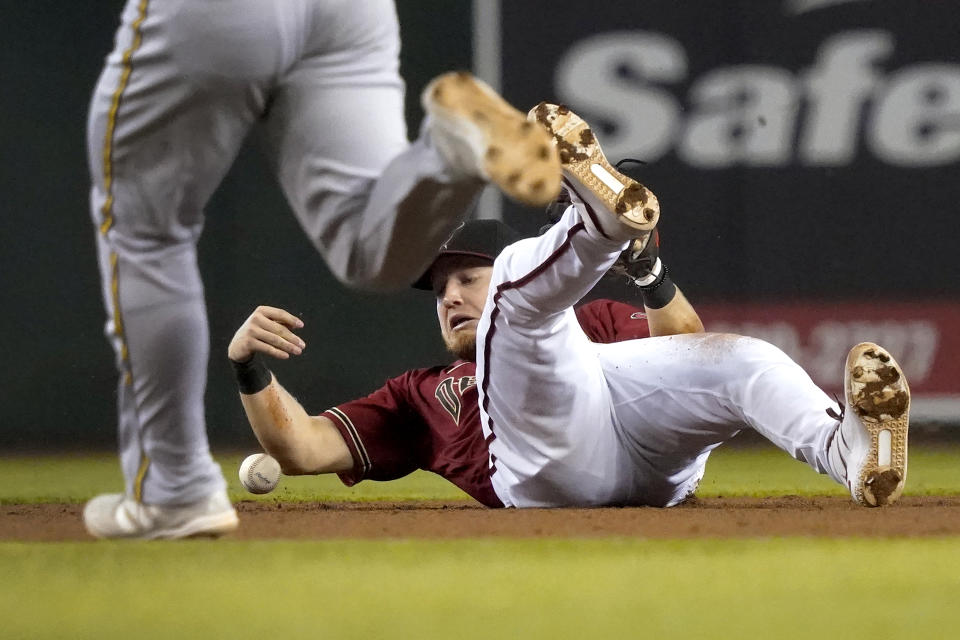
[570,422]
[182,88]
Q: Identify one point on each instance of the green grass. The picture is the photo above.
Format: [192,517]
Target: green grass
[767,471]
[76,478]
[501,588]
[753,471]
[780,588]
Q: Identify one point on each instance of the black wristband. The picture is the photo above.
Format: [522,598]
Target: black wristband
[659,294]
[252,375]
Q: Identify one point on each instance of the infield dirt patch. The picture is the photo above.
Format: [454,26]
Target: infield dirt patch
[698,518]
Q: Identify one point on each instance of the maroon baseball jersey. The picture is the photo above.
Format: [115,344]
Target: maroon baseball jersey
[430,418]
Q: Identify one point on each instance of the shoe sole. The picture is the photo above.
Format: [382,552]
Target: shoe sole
[517,155]
[582,159]
[878,393]
[212,526]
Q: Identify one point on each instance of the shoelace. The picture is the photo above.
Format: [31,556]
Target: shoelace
[833,414]
[620,163]
[839,418]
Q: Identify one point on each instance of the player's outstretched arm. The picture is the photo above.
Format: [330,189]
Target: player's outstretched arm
[668,310]
[676,317]
[301,443]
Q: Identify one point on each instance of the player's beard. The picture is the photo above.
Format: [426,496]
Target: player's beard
[462,344]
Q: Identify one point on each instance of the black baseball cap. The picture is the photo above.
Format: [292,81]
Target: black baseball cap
[480,238]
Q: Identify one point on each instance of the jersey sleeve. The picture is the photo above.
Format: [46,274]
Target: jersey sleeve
[608,321]
[384,433]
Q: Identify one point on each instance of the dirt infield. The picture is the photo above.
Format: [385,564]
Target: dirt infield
[700,518]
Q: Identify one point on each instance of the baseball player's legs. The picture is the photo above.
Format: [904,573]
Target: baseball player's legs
[550,273]
[376,207]
[168,115]
[545,409]
[676,398]
[162,357]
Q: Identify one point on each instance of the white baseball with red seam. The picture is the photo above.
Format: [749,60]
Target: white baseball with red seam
[259,473]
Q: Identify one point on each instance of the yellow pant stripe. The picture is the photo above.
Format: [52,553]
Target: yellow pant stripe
[107,208]
[118,317]
[115,296]
[141,474]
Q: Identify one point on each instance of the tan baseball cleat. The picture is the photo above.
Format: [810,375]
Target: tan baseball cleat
[591,179]
[479,134]
[868,452]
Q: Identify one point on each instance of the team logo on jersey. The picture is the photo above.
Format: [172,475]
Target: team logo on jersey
[450,390]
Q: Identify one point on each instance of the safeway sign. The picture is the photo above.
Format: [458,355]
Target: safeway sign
[849,94]
[766,83]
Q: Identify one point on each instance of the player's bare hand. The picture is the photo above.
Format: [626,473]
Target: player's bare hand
[268,330]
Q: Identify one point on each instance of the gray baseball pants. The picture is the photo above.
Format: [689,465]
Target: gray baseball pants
[184,85]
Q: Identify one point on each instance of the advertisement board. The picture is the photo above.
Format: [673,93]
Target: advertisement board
[922,337]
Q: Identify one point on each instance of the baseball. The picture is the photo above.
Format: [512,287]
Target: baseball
[259,473]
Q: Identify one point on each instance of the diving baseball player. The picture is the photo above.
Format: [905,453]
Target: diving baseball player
[543,409]
[184,85]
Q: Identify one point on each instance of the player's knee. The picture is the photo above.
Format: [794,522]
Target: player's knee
[743,353]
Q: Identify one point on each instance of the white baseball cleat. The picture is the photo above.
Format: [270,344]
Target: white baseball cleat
[617,206]
[868,451]
[114,515]
[480,135]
